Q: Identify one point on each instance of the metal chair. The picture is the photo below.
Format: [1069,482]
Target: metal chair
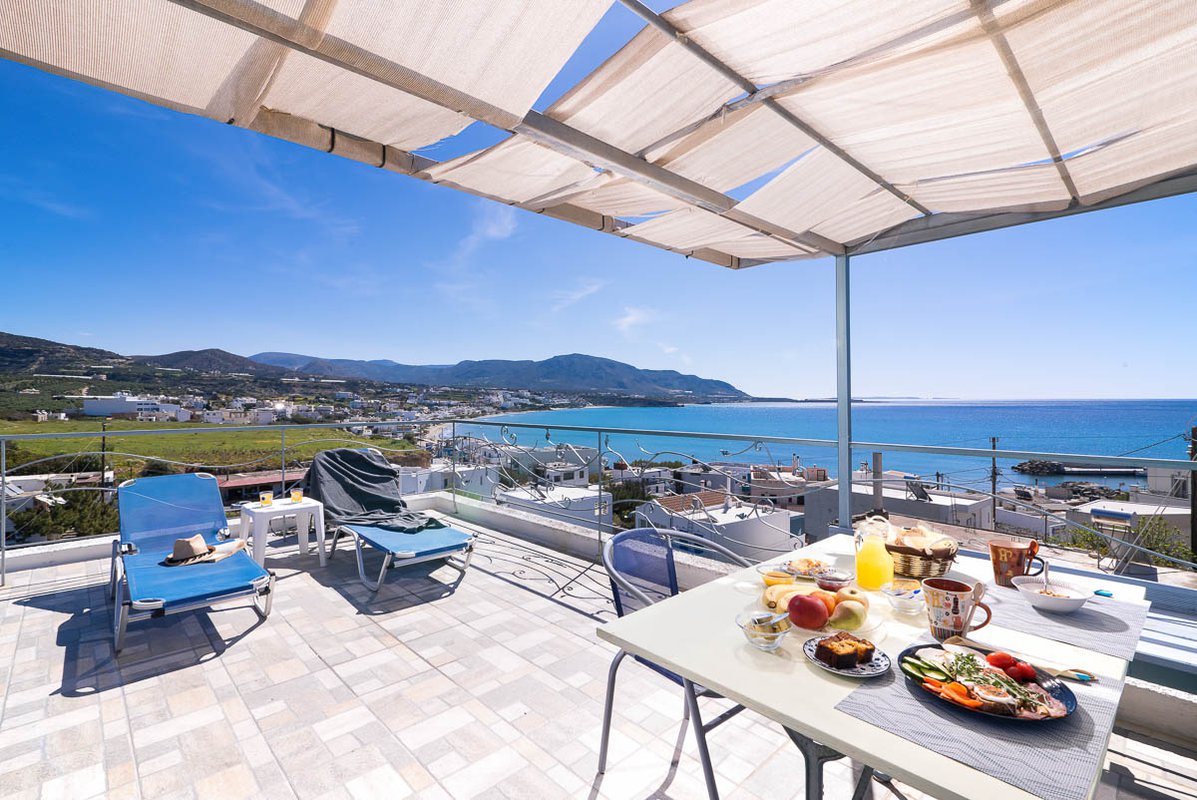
[643,571]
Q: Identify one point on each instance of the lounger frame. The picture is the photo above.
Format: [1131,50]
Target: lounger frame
[458,560]
[126,610]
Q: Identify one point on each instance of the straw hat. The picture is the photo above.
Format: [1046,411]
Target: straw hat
[189,551]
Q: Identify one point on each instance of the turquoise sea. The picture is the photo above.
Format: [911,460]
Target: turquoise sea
[1151,428]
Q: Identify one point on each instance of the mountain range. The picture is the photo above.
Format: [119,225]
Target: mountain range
[570,373]
[573,372]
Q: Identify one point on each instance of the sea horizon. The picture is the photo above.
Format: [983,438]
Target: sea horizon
[1152,428]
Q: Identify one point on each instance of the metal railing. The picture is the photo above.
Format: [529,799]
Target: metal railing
[467,440]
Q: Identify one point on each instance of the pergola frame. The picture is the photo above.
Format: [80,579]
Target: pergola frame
[307,35]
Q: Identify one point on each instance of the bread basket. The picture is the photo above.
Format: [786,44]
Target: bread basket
[921,552]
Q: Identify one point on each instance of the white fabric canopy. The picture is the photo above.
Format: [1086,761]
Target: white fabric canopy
[734,131]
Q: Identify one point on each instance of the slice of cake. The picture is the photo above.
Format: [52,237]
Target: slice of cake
[844,651]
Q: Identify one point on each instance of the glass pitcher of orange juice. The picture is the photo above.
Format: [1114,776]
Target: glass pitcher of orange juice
[874,564]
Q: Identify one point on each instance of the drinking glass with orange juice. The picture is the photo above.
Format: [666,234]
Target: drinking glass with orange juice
[874,564]
[774,574]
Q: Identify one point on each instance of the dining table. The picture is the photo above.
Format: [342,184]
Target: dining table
[695,635]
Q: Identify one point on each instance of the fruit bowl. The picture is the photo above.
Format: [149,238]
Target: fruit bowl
[761,631]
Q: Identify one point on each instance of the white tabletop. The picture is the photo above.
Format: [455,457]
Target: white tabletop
[695,635]
[283,505]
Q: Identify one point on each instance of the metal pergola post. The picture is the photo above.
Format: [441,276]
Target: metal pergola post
[843,394]
[4,512]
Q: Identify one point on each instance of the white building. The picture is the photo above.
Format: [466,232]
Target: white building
[215,416]
[656,480]
[755,531]
[965,510]
[1165,486]
[263,416]
[476,479]
[1176,517]
[124,403]
[575,504]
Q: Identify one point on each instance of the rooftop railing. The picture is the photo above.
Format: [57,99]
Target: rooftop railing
[738,488]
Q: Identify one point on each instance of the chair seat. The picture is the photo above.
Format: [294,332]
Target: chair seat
[150,579]
[427,543]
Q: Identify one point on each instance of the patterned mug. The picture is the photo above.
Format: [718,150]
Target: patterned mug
[1011,559]
[951,605]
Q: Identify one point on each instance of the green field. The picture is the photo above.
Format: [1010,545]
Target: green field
[223,448]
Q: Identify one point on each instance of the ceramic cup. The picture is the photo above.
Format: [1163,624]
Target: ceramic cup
[1012,559]
[951,605]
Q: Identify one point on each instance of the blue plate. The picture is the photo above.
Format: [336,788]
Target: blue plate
[1054,687]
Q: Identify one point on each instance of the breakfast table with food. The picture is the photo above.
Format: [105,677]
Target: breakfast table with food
[961,675]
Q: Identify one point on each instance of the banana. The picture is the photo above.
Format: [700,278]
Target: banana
[777,598]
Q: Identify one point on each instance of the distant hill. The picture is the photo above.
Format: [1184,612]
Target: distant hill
[28,354]
[209,360]
[574,372]
[568,373]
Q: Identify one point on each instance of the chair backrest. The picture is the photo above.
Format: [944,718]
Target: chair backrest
[156,511]
[642,567]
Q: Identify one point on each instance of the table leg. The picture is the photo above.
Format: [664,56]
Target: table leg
[815,755]
[259,539]
[301,532]
[318,515]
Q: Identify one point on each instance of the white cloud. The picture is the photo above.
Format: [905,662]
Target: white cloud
[633,317]
[667,349]
[493,223]
[565,298]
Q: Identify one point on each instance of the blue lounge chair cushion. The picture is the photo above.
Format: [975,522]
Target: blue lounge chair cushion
[427,543]
[150,579]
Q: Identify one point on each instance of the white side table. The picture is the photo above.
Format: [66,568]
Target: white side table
[255,521]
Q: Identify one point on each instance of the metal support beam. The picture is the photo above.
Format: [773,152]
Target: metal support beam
[951,225]
[263,21]
[666,27]
[572,142]
[843,394]
[994,30]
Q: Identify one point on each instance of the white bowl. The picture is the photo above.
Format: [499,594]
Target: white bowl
[1031,586]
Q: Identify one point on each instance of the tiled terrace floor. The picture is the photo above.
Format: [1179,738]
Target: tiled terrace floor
[492,691]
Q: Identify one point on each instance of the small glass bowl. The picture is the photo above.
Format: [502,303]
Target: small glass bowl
[766,636]
[905,596]
[775,574]
[832,580]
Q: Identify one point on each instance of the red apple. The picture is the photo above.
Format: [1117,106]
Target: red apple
[807,612]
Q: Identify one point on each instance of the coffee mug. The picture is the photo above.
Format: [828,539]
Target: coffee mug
[951,605]
[1012,559]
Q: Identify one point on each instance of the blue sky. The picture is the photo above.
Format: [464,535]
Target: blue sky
[133,228]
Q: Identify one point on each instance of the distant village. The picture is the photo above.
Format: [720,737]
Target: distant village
[335,405]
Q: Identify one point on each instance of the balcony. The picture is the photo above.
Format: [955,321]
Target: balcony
[492,687]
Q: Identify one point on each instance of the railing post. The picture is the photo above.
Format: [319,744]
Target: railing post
[4,512]
[843,399]
[282,464]
[453,456]
[599,506]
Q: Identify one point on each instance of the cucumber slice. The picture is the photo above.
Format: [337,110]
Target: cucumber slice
[912,670]
[936,674]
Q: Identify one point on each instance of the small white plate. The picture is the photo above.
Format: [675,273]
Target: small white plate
[879,666]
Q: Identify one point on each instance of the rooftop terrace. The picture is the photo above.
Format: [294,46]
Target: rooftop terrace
[491,690]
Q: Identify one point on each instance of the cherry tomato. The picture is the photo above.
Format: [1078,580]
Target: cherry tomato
[1000,660]
[1021,671]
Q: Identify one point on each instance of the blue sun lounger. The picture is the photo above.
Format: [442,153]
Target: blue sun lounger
[360,492]
[154,512]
